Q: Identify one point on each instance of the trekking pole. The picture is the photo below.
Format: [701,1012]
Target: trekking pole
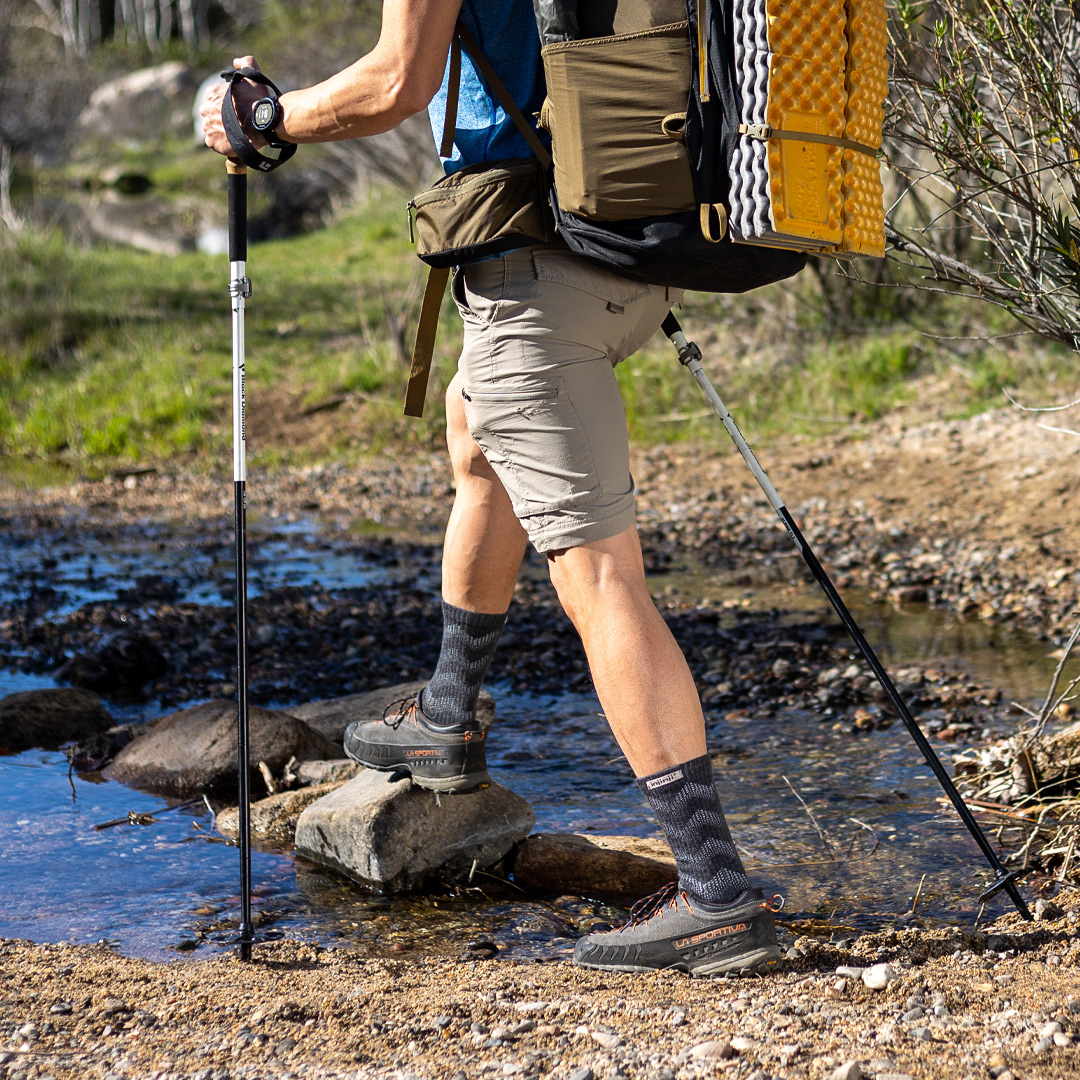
[239,291]
[690,358]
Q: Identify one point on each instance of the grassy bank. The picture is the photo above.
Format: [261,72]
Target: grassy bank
[109,357]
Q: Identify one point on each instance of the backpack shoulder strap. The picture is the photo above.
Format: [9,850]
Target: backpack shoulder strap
[528,132]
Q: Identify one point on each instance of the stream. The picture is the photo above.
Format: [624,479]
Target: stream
[848,829]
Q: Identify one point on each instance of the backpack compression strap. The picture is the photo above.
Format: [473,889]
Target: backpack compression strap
[231,122]
[424,344]
[764,132]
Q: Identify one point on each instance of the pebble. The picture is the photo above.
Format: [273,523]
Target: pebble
[714,1048]
[850,1070]
[1061,1039]
[1043,1045]
[916,1013]
[61,1008]
[923,1033]
[879,976]
[581,1074]
[850,972]
[607,1039]
[1050,1029]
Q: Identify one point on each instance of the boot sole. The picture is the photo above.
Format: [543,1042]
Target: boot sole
[759,962]
[445,785]
[755,963]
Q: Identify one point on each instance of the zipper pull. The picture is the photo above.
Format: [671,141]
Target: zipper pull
[410,206]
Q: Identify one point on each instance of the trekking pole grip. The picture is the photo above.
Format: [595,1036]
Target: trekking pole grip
[237,210]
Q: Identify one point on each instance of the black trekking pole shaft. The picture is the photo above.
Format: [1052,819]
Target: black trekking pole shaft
[239,291]
[690,357]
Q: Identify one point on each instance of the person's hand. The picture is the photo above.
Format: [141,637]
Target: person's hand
[245,95]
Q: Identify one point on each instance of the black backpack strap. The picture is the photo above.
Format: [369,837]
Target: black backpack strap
[239,141]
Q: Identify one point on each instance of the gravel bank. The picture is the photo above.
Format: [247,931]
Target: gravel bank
[955,1005]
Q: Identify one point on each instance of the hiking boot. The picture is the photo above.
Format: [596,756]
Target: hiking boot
[447,759]
[669,930]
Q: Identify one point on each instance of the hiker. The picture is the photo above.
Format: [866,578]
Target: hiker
[540,454]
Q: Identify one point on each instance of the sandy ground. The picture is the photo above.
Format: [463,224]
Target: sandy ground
[962,1005]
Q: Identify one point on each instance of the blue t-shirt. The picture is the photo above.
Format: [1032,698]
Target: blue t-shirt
[506,33]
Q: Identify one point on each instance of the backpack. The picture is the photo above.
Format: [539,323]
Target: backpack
[697,144]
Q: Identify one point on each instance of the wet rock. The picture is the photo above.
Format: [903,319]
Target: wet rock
[309,773]
[275,817]
[879,976]
[334,715]
[96,751]
[195,750]
[567,862]
[125,660]
[49,718]
[386,831]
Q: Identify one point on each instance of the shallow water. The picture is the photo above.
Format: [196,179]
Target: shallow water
[852,858]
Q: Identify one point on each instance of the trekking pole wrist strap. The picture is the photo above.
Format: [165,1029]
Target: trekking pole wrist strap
[238,139]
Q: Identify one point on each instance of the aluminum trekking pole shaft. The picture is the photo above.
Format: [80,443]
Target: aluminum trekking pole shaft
[690,357]
[239,291]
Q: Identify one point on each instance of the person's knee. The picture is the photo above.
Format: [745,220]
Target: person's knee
[597,574]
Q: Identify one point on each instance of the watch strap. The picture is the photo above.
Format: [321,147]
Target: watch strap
[238,140]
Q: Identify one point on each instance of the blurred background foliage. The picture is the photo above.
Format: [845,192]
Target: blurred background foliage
[114,339]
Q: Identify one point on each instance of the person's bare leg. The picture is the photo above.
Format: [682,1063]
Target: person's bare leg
[484,542]
[481,558]
[639,671]
[652,705]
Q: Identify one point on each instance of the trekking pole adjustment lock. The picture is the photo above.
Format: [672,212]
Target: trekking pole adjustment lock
[240,287]
[687,350]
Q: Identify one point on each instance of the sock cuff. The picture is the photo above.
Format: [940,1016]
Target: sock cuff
[477,622]
[695,771]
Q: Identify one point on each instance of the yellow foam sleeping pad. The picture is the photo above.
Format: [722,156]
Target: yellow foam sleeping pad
[828,79]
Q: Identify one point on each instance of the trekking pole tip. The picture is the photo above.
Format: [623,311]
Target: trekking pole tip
[1008,883]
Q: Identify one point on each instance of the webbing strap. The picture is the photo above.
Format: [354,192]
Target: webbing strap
[453,90]
[424,346]
[765,131]
[236,135]
[505,100]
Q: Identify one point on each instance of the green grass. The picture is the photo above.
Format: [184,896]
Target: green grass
[110,357]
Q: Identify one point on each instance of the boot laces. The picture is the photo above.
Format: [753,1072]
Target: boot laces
[653,904]
[400,710]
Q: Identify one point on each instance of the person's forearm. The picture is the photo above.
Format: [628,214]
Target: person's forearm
[393,81]
[367,98]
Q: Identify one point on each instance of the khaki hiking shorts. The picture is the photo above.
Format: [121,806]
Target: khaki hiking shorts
[543,332]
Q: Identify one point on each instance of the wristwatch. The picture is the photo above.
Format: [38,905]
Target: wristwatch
[266,115]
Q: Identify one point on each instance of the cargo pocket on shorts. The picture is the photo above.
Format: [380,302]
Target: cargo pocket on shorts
[534,440]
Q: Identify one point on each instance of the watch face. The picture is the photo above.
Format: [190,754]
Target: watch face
[263,114]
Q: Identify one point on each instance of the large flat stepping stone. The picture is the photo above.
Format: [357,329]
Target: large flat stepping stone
[615,868]
[195,751]
[49,718]
[391,834]
[334,715]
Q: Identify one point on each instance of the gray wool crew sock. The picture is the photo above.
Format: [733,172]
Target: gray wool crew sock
[687,806]
[468,644]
